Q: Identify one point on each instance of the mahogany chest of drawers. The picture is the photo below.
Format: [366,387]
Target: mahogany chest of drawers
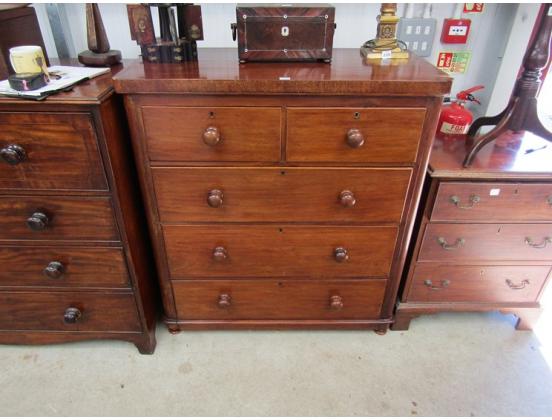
[75,258]
[281,195]
[484,238]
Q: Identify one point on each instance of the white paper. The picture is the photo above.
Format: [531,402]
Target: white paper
[60,77]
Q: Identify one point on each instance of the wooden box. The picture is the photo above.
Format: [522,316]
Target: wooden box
[284,32]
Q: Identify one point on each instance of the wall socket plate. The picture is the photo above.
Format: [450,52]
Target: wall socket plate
[418,34]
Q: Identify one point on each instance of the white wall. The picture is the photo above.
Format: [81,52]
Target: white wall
[356,23]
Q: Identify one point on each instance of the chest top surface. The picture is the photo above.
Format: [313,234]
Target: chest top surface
[219,71]
[520,155]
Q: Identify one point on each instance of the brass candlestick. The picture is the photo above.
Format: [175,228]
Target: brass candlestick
[386,44]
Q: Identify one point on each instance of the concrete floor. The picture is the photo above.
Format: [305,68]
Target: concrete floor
[446,364]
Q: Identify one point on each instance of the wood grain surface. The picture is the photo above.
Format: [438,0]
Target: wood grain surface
[481,283]
[270,299]
[45,311]
[283,250]
[61,152]
[246,134]
[391,135]
[23,266]
[280,194]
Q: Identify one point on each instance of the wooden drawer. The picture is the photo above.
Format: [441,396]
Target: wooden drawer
[480,201]
[245,134]
[57,151]
[449,283]
[62,267]
[48,310]
[256,251]
[67,218]
[459,242]
[391,135]
[280,194]
[270,299]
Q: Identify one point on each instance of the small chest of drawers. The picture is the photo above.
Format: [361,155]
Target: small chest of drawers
[281,195]
[74,255]
[484,239]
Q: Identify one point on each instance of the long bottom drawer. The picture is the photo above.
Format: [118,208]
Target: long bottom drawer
[274,300]
[476,283]
[68,311]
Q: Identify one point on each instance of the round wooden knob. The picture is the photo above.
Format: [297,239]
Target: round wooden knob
[214,198]
[347,198]
[72,315]
[224,301]
[211,136]
[220,253]
[355,138]
[54,270]
[341,254]
[336,302]
[13,154]
[38,221]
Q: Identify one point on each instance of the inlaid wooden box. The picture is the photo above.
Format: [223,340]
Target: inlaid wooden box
[284,32]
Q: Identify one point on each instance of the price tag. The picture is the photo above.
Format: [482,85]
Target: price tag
[284,78]
[386,55]
[494,192]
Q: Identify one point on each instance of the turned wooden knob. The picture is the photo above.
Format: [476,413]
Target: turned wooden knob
[341,254]
[38,221]
[13,154]
[211,136]
[214,198]
[72,315]
[54,270]
[355,138]
[336,302]
[347,198]
[224,301]
[220,253]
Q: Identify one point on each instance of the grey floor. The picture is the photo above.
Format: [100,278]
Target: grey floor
[446,364]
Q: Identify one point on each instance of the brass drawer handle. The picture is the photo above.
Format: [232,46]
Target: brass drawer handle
[211,136]
[38,221]
[54,270]
[444,244]
[474,199]
[224,301]
[336,303]
[542,244]
[214,198]
[355,138]
[429,284]
[341,254]
[347,198]
[549,200]
[13,154]
[220,253]
[72,315]
[518,286]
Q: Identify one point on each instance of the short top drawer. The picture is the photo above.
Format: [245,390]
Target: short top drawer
[492,202]
[227,134]
[49,151]
[356,135]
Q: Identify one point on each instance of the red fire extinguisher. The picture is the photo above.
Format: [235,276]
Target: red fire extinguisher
[455,119]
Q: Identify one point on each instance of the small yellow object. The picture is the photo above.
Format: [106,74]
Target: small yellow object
[385,46]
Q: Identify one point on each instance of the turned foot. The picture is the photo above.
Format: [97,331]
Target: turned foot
[174,328]
[381,330]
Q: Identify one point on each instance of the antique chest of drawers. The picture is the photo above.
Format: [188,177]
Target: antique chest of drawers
[484,238]
[281,194]
[75,259]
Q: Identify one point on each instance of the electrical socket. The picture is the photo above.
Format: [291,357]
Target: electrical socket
[418,34]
